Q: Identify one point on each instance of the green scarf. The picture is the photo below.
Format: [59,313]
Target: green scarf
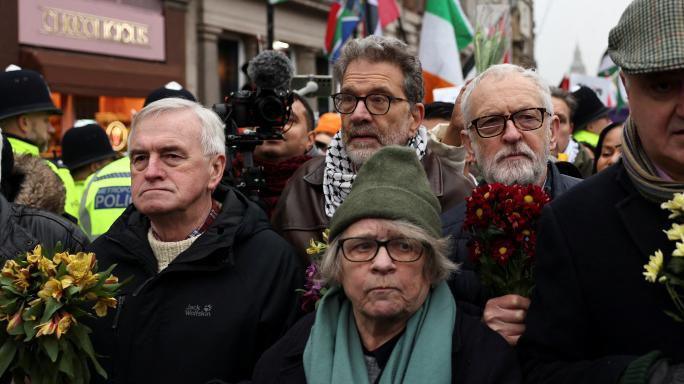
[333,353]
[642,171]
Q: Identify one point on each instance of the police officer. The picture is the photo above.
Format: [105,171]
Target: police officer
[85,150]
[25,109]
[107,192]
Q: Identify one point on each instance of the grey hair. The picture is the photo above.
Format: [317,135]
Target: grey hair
[437,268]
[212,138]
[567,98]
[501,71]
[384,49]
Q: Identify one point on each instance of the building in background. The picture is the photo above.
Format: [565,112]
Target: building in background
[102,57]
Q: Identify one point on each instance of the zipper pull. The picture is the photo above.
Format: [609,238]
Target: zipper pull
[119,306]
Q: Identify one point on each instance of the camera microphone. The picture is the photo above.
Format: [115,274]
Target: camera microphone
[271,70]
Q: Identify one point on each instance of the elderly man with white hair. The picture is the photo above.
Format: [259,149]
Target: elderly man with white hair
[508,127]
[22,228]
[212,285]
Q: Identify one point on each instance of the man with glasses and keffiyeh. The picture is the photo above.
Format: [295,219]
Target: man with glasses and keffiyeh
[380,100]
[594,318]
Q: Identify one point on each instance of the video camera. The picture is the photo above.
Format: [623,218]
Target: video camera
[251,117]
[256,115]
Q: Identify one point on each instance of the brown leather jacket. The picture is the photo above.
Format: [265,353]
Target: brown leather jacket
[300,213]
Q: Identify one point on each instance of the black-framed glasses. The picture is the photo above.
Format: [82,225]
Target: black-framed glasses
[376,104]
[401,249]
[527,119]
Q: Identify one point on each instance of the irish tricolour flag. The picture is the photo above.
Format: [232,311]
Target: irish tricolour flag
[446,31]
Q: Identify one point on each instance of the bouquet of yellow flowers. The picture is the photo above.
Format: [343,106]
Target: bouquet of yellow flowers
[671,275]
[41,300]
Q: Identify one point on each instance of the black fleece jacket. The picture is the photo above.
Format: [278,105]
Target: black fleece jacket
[211,313]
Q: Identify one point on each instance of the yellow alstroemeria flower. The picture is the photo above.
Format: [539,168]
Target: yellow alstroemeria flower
[62,257]
[676,232]
[676,205]
[47,328]
[21,280]
[64,324]
[46,266]
[102,304]
[51,288]
[34,258]
[10,269]
[655,263]
[34,255]
[80,266]
[66,281]
[679,252]
[316,247]
[111,280]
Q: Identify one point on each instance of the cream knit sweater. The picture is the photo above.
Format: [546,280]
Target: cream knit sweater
[165,252]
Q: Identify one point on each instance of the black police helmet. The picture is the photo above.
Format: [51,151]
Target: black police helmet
[24,91]
[84,145]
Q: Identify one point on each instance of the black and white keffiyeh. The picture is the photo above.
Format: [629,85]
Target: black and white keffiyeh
[339,171]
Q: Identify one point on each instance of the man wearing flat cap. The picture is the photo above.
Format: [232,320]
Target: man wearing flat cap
[594,317]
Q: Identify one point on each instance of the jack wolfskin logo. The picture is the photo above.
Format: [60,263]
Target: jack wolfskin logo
[198,310]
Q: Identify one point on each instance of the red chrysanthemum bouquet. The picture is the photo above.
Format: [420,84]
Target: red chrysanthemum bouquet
[502,220]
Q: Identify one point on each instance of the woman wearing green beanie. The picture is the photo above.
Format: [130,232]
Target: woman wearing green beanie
[389,316]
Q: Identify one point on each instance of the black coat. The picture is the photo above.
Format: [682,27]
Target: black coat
[465,285]
[592,311]
[211,313]
[22,228]
[479,355]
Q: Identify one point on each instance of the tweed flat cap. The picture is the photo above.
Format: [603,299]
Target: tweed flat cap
[649,37]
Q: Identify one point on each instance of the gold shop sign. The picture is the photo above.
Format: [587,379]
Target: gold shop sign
[79,25]
[100,27]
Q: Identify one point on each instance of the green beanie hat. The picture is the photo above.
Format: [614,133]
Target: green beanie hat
[392,185]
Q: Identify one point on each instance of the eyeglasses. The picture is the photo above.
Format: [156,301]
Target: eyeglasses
[376,104]
[527,119]
[360,249]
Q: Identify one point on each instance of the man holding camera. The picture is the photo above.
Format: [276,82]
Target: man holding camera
[380,102]
[192,250]
[279,159]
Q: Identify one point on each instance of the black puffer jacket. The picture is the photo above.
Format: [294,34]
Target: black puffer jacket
[210,314]
[22,228]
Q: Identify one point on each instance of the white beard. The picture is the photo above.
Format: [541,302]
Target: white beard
[527,170]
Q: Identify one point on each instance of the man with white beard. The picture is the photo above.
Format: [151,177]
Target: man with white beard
[508,126]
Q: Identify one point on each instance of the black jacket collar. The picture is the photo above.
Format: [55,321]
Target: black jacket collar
[238,217]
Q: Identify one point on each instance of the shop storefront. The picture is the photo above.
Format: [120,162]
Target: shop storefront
[99,57]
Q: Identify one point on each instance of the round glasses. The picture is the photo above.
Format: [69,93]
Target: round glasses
[376,104]
[360,249]
[527,119]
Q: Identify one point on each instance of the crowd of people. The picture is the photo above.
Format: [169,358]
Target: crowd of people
[215,276]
